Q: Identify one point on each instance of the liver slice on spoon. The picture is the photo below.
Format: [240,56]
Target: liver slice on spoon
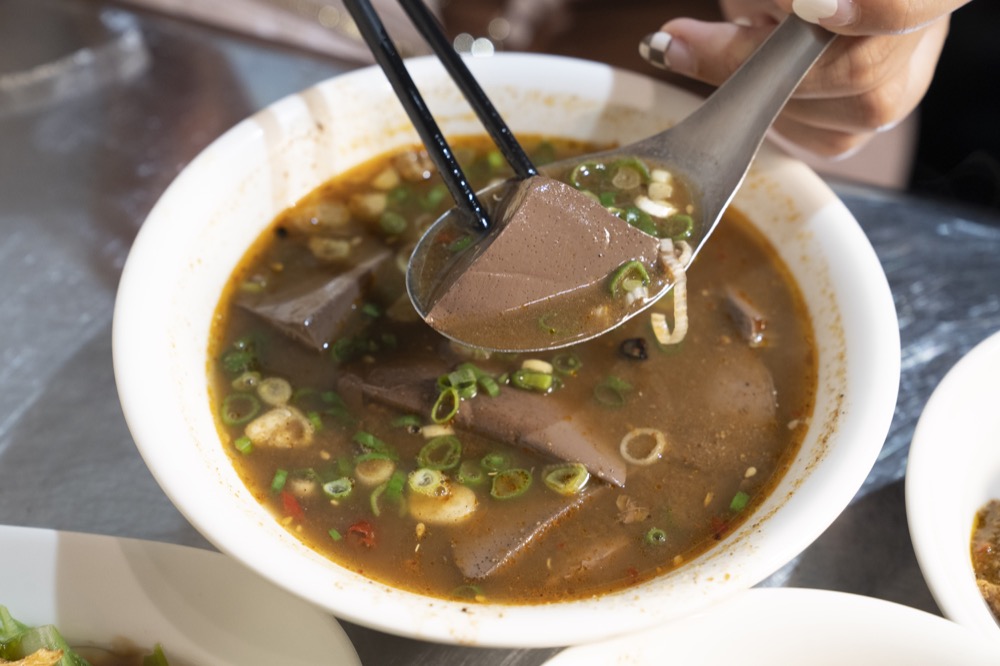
[551,240]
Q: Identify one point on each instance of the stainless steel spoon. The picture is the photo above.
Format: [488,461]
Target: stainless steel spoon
[711,150]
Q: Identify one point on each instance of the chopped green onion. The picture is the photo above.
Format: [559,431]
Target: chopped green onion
[394,486]
[371,310]
[316,420]
[391,490]
[631,272]
[429,482]
[612,391]
[585,171]
[392,223]
[248,381]
[373,500]
[531,380]
[634,164]
[239,361]
[489,385]
[607,199]
[543,153]
[337,408]
[335,535]
[446,406]
[442,452]
[470,473]
[333,398]
[372,444]
[308,399]
[468,592]
[460,244]
[347,349]
[495,159]
[545,323]
[567,478]
[339,489]
[243,444]
[496,461]
[462,379]
[468,378]
[408,421]
[398,195]
[679,226]
[435,196]
[345,466]
[655,537]
[739,502]
[239,408]
[567,363]
[641,220]
[278,482]
[510,483]
[341,415]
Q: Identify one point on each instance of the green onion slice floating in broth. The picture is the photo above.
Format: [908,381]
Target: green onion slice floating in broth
[510,483]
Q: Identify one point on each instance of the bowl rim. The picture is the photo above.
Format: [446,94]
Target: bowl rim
[834,475]
[941,495]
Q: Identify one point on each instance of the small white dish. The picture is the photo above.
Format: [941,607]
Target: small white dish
[786,627]
[952,471]
[202,607]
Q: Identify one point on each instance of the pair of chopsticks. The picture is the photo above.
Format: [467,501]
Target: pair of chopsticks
[388,58]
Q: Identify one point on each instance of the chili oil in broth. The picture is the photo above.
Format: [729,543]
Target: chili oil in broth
[732,413]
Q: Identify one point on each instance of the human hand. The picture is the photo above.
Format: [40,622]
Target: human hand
[868,80]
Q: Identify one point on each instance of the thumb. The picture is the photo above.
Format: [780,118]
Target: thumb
[871,17]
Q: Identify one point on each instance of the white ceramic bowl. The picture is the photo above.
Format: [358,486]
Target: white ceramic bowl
[791,627]
[952,471]
[201,227]
[202,607]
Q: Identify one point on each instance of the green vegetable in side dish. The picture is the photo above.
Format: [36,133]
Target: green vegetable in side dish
[44,645]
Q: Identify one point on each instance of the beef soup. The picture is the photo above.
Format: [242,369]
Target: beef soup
[508,478]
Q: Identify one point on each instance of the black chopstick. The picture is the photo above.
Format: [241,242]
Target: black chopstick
[433,33]
[388,58]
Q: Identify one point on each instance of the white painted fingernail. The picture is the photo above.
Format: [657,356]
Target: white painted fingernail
[827,12]
[653,49]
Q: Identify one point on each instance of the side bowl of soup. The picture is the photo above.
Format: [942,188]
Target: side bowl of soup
[170,333]
[952,477]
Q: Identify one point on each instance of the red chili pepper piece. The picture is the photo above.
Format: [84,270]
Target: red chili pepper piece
[719,527]
[363,532]
[291,506]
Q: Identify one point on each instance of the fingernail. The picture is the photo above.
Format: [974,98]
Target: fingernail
[660,49]
[831,13]
[653,49]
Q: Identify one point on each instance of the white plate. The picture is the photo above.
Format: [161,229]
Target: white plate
[779,627]
[203,608]
[953,470]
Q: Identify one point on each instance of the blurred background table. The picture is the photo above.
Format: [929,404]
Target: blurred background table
[85,152]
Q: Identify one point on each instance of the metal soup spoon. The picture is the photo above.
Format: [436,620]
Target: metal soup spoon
[710,151]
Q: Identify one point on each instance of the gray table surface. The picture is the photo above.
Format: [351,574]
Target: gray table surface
[81,167]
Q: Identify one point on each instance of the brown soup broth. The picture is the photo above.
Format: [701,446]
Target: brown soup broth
[732,414]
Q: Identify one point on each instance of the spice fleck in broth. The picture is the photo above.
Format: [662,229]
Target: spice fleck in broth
[508,478]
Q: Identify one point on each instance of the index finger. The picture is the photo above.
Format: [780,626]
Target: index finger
[871,17]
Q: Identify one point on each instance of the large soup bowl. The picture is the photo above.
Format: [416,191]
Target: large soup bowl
[228,195]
